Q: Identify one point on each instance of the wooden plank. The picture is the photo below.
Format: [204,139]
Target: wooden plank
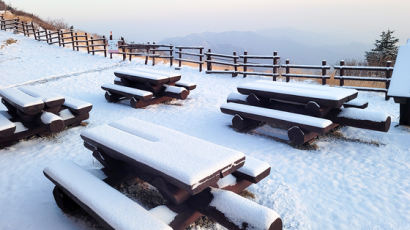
[127,92]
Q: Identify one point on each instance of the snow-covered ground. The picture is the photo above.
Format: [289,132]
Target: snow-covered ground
[357,180]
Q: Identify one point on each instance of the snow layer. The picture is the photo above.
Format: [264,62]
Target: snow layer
[20,98]
[75,103]
[45,96]
[143,74]
[400,82]
[347,183]
[112,206]
[163,213]
[48,118]
[5,123]
[133,91]
[174,89]
[226,181]
[237,96]
[66,114]
[360,114]
[277,114]
[253,167]
[180,156]
[239,210]
[306,90]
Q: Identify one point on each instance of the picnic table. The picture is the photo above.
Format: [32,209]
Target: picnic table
[305,110]
[31,112]
[144,88]
[196,177]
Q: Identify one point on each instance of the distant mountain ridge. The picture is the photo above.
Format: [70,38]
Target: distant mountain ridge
[299,46]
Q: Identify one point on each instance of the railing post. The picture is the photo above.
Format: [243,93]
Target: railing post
[180,57]
[34,30]
[342,73]
[323,72]
[87,43]
[388,76]
[171,55]
[275,63]
[124,54]
[92,45]
[153,52]
[59,37]
[105,46]
[245,60]
[24,28]
[45,31]
[287,69]
[62,38]
[72,39]
[201,52]
[208,59]
[235,62]
[110,39]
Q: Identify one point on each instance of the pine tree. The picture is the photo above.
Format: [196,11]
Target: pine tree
[385,49]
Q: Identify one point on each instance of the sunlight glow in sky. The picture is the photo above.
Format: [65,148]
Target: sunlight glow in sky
[351,20]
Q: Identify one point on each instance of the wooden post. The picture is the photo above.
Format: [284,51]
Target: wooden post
[388,76]
[124,54]
[110,39]
[92,45]
[47,36]
[287,69]
[62,38]
[275,63]
[208,58]
[1,22]
[201,52]
[245,60]
[323,72]
[235,62]
[87,43]
[24,28]
[342,72]
[105,46]
[171,55]
[59,37]
[72,39]
[153,52]
[34,31]
[180,57]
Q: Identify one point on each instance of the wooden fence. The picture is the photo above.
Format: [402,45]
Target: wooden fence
[245,64]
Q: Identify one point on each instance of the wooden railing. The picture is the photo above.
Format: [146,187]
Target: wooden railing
[234,64]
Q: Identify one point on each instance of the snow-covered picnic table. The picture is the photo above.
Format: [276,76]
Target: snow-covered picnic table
[195,176]
[304,110]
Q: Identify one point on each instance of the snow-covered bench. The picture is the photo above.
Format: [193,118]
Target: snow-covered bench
[7,127]
[77,187]
[52,102]
[14,99]
[144,88]
[301,128]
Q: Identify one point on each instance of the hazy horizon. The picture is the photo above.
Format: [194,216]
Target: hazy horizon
[339,22]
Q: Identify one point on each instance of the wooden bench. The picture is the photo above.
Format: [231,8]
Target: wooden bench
[77,187]
[52,102]
[301,128]
[7,127]
[21,101]
[150,77]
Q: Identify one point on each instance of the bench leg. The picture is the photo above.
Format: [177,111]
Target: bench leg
[298,137]
[243,124]
[64,202]
[110,97]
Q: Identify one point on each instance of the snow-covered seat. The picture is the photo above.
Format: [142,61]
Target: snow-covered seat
[356,103]
[155,78]
[50,100]
[127,92]
[184,161]
[186,85]
[77,106]
[21,101]
[77,187]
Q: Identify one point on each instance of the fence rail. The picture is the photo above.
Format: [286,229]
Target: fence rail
[245,64]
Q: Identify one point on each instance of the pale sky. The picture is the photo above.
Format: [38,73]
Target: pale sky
[350,20]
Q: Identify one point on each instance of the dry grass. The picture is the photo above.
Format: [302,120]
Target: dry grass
[8,42]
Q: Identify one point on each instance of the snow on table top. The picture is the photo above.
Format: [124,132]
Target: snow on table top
[361,114]
[112,206]
[298,89]
[239,210]
[356,102]
[186,158]
[75,103]
[281,115]
[45,96]
[20,98]
[237,97]
[400,82]
[5,123]
[142,74]
[253,167]
[129,90]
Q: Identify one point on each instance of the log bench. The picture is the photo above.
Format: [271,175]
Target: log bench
[144,88]
[24,118]
[336,105]
[199,178]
